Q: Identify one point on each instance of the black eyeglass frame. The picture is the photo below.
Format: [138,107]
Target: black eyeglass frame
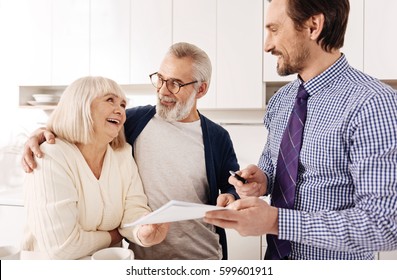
[166,83]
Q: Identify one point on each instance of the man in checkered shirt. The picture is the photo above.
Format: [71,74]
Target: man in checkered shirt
[346,192]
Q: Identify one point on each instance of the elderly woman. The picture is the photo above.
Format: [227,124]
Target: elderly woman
[87,185]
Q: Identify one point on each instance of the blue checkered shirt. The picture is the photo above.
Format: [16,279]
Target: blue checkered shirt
[346,195]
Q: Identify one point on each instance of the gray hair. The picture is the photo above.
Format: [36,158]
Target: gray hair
[202,68]
[72,120]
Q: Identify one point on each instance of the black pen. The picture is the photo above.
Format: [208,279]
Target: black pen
[238,177]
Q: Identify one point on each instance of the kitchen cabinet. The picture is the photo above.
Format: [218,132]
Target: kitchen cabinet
[31,22]
[110,39]
[270,61]
[116,39]
[12,219]
[119,40]
[202,31]
[62,40]
[380,56]
[245,247]
[390,255]
[263,246]
[151,36]
[239,54]
[90,38]
[353,47]
[70,40]
[232,45]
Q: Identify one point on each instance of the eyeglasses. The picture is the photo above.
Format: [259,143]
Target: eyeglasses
[172,85]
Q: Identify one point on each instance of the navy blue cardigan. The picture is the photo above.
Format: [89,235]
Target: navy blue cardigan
[219,154]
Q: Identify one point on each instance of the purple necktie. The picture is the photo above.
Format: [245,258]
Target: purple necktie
[283,195]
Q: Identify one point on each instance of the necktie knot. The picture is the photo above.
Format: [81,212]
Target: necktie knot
[302,93]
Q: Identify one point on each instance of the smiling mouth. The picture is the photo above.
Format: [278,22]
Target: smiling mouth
[113,121]
[167,102]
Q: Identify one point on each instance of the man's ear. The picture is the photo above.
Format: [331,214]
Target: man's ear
[315,26]
[202,90]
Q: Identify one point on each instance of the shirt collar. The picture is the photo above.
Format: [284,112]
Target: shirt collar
[322,80]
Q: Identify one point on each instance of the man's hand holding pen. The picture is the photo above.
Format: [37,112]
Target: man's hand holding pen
[255,181]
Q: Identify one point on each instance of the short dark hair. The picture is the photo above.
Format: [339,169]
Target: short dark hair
[336,14]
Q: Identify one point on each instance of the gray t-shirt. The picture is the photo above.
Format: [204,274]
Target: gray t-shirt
[171,162]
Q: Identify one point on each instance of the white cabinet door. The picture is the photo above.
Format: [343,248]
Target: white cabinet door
[243,247]
[270,61]
[71,36]
[233,43]
[110,39]
[353,47]
[30,21]
[239,54]
[151,36]
[380,56]
[195,22]
[390,255]
[12,221]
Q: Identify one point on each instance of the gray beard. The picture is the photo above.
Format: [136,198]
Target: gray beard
[177,113]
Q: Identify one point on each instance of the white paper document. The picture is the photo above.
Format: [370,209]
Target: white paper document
[174,211]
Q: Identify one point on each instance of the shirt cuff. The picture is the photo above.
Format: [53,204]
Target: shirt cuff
[290,224]
[269,187]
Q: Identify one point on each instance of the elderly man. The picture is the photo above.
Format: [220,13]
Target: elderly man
[180,154]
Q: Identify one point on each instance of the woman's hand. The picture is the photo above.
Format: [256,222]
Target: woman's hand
[115,236]
[153,234]
[225,199]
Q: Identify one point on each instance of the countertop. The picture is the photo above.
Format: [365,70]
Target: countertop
[11,196]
